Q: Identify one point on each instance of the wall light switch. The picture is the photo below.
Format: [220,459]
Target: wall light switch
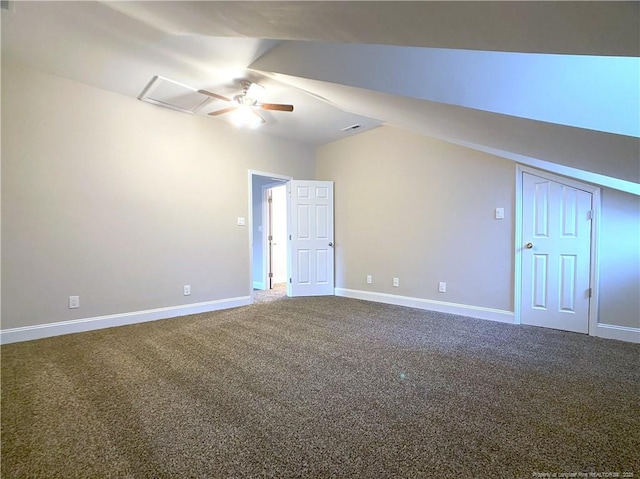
[241,222]
[187,289]
[74,302]
[396,282]
[442,287]
[499,213]
[369,279]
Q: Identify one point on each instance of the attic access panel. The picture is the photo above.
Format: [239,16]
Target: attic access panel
[172,94]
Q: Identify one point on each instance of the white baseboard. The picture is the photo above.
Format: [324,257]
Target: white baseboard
[608,331]
[621,333]
[259,285]
[431,305]
[39,331]
[28,333]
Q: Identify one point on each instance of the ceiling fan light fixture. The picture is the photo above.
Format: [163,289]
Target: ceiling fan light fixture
[246,117]
[255,91]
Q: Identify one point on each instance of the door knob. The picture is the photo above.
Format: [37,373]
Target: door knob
[529,245]
[331,244]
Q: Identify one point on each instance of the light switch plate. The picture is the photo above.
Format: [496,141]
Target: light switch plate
[74,302]
[241,222]
[499,213]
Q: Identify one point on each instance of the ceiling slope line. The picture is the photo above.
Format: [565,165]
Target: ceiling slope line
[568,171]
[592,92]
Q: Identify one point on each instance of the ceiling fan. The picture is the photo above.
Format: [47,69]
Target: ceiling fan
[244,105]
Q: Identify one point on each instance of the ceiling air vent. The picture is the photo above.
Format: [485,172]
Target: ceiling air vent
[352,127]
[171,94]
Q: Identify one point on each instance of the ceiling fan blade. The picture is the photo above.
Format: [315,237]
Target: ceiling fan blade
[275,106]
[214,95]
[224,110]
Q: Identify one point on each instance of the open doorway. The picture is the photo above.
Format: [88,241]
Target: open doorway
[268,236]
[307,242]
[276,237]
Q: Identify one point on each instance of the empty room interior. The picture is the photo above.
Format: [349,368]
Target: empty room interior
[320,239]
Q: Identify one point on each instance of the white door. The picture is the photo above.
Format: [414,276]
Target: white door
[311,238]
[556,254]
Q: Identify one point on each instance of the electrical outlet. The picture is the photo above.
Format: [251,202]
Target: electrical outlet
[442,287]
[369,279]
[396,282]
[187,289]
[74,302]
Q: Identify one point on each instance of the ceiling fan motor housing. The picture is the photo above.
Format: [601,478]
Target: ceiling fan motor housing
[244,100]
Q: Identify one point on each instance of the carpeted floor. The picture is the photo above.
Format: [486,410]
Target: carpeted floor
[278,292]
[320,388]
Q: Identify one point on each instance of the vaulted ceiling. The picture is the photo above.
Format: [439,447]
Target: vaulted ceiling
[542,82]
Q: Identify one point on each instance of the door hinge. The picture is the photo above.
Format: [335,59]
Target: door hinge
[270,275]
[289,237]
[290,280]
[270,238]
[590,214]
[270,200]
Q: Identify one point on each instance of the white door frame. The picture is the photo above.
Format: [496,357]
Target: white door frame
[265,214]
[265,237]
[595,233]
[279,179]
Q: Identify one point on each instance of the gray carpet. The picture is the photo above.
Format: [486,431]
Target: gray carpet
[276,293]
[320,388]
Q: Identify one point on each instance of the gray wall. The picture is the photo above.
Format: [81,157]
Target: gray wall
[620,259]
[121,202]
[420,209]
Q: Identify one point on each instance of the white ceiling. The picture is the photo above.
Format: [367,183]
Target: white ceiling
[518,77]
